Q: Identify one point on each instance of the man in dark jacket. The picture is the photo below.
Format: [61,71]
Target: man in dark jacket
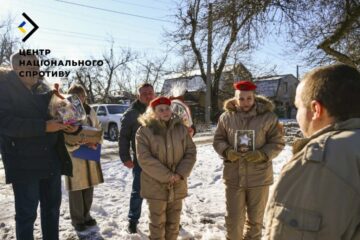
[129,126]
[32,149]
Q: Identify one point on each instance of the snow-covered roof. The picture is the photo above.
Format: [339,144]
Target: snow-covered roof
[268,78]
[191,84]
[196,72]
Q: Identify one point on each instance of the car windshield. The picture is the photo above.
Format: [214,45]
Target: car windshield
[116,109]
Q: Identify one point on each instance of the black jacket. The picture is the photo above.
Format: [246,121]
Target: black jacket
[129,126]
[28,152]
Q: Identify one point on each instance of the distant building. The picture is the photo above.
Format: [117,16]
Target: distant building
[116,97]
[196,88]
[281,89]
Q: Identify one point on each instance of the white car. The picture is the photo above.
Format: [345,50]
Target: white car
[110,116]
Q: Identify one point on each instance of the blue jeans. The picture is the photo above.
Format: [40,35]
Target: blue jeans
[27,197]
[135,199]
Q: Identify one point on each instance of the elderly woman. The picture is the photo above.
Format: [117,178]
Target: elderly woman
[166,154]
[86,173]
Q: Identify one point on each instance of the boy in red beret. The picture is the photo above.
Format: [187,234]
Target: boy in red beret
[247,174]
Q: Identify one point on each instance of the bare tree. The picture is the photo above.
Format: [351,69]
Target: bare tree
[152,69]
[101,81]
[326,31]
[113,64]
[89,78]
[187,63]
[235,23]
[8,43]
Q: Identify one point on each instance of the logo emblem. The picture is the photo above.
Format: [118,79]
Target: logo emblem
[23,30]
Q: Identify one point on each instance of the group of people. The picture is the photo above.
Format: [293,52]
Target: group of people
[317,195]
[36,151]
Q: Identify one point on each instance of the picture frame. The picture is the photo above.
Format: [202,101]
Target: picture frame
[244,140]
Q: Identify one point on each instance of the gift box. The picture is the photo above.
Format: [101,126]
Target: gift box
[86,135]
[66,108]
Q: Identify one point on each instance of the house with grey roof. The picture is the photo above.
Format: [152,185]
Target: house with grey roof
[195,88]
[281,89]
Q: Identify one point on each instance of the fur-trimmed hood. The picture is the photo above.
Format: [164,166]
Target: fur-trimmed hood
[268,137]
[174,152]
[156,125]
[263,104]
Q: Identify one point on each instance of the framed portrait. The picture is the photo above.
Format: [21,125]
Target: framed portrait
[244,140]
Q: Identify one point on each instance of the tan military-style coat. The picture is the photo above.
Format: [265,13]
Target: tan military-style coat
[86,173]
[162,151]
[268,138]
[318,193]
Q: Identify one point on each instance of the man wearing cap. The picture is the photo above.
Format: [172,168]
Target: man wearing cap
[247,174]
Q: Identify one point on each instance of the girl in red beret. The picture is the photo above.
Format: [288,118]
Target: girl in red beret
[248,136]
[166,154]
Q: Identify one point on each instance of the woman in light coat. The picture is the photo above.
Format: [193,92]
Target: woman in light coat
[166,154]
[86,173]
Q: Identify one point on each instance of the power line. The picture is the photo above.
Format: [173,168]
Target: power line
[86,36]
[167,2]
[124,24]
[90,36]
[139,5]
[101,21]
[147,46]
[75,33]
[113,11]
[99,41]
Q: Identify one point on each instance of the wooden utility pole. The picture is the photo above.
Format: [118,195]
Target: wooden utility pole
[208,74]
[297,72]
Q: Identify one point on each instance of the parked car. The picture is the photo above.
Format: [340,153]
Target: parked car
[110,116]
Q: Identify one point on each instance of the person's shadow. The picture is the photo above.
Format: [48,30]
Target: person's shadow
[92,233]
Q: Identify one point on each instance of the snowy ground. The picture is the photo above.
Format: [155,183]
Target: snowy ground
[203,211]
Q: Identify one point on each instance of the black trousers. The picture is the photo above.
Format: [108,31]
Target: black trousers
[27,197]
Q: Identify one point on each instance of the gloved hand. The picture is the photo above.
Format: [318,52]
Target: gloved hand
[254,156]
[232,155]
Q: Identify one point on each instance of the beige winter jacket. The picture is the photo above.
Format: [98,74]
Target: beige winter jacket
[268,138]
[318,193]
[86,173]
[162,151]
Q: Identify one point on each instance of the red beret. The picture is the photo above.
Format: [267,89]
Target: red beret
[245,86]
[160,100]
